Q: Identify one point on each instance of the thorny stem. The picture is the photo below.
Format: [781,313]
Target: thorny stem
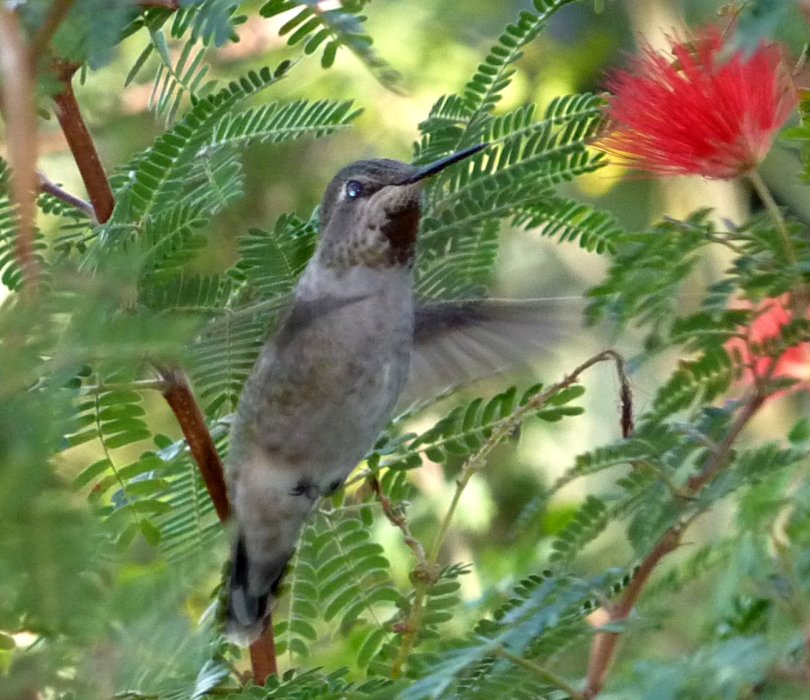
[17,98]
[476,463]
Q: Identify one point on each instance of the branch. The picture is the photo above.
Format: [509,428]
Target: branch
[263,656]
[396,516]
[178,395]
[605,644]
[51,188]
[603,649]
[17,98]
[425,573]
[82,146]
[180,398]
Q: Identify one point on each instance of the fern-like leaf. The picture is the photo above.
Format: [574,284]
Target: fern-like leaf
[159,174]
[484,90]
[465,428]
[572,221]
[175,80]
[332,28]
[276,122]
[588,522]
[705,377]
[11,275]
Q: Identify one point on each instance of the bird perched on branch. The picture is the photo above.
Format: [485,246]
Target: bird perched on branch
[325,386]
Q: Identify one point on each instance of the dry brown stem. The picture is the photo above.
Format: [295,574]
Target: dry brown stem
[605,644]
[45,185]
[82,146]
[187,411]
[179,396]
[19,109]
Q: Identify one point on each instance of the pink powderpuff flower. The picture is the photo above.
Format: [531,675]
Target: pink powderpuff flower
[705,113]
[771,316]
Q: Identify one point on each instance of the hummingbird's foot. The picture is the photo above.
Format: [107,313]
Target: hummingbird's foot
[306,487]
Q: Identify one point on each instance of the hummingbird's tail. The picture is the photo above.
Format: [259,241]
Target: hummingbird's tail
[250,587]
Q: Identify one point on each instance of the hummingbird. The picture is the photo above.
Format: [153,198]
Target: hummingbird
[327,383]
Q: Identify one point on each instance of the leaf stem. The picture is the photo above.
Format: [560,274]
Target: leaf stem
[543,674]
[139,385]
[605,644]
[398,519]
[425,573]
[775,213]
[51,188]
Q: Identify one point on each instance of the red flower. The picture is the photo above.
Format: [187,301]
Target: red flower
[772,316]
[703,114]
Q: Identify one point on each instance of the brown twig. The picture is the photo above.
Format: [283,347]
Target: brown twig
[263,656]
[178,394]
[605,644]
[48,187]
[82,146]
[603,649]
[181,399]
[18,99]
[397,518]
[425,571]
[19,107]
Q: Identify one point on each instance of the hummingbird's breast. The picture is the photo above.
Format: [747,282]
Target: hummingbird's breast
[326,385]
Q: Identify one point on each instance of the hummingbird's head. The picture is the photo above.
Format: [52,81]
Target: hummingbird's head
[371,209]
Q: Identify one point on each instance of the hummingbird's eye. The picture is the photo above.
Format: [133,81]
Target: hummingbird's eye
[354,189]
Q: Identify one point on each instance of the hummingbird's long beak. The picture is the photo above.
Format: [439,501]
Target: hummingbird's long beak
[441,164]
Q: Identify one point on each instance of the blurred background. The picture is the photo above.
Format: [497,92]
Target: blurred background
[435,54]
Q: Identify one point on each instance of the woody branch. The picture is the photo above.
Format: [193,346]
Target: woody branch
[17,63]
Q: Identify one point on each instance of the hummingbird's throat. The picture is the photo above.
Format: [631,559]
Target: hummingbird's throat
[400,230]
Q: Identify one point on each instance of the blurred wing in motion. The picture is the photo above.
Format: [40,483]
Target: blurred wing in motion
[457,342]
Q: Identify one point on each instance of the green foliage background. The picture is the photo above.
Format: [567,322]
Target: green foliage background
[110,553]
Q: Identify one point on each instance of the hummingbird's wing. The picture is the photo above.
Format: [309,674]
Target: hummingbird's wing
[457,342]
